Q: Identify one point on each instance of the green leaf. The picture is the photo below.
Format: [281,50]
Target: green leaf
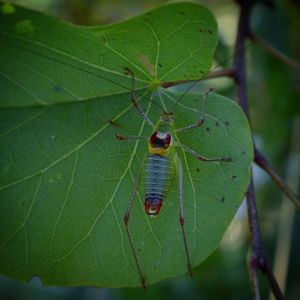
[65,180]
[46,61]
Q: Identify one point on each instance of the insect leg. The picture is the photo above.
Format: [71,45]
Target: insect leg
[125,137]
[126,220]
[134,100]
[181,214]
[129,137]
[199,156]
[202,118]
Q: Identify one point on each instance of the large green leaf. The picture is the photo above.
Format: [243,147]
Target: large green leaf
[46,61]
[65,181]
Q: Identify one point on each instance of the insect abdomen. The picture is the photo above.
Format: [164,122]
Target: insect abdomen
[157,179]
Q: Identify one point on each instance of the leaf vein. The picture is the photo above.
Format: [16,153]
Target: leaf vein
[19,85]
[79,146]
[23,123]
[27,215]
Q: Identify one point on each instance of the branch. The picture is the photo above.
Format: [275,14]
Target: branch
[275,52]
[229,72]
[215,74]
[262,162]
[174,83]
[257,258]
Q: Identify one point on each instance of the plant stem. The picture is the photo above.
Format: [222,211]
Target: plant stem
[229,72]
[262,162]
[215,74]
[269,48]
[257,257]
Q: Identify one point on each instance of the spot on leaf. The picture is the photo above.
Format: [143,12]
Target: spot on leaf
[124,30]
[57,88]
[145,61]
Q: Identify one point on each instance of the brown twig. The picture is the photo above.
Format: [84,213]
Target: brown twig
[275,52]
[258,259]
[216,74]
[229,72]
[257,256]
[174,83]
[262,162]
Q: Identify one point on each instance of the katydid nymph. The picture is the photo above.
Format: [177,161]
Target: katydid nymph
[160,166]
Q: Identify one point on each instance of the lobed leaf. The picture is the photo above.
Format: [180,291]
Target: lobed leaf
[65,181]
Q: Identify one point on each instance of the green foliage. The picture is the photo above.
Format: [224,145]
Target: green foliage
[65,179]
[46,61]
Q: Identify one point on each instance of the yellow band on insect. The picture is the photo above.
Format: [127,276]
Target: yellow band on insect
[158,151]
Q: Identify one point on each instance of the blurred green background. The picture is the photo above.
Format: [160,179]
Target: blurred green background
[274,95]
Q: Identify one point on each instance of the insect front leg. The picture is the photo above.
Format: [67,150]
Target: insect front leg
[125,137]
[129,137]
[126,221]
[201,119]
[134,100]
[199,156]
[181,214]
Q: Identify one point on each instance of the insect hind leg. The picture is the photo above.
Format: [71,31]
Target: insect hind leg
[181,215]
[126,221]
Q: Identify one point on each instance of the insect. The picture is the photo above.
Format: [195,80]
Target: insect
[160,166]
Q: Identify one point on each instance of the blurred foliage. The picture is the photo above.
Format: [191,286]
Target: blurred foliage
[274,92]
